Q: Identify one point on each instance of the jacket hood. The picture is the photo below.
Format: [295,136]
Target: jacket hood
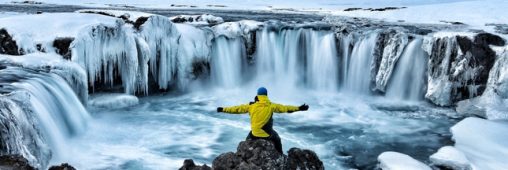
[263,99]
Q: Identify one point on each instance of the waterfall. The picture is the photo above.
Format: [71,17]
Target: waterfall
[357,76]
[56,108]
[228,58]
[408,81]
[299,57]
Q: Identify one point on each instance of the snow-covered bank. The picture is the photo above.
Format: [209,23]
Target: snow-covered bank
[483,142]
[475,13]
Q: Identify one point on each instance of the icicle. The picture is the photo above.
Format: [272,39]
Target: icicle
[106,49]
[173,49]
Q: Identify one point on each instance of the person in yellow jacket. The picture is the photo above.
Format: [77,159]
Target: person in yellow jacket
[260,112]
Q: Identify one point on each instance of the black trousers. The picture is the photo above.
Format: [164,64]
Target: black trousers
[274,138]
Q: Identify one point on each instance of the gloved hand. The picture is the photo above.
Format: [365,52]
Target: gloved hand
[303,107]
[220,109]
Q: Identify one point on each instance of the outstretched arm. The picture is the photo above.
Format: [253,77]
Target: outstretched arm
[235,109]
[278,108]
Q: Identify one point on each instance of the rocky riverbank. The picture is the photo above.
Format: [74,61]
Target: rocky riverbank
[18,162]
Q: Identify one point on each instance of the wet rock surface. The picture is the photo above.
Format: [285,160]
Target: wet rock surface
[462,64]
[261,154]
[62,46]
[7,44]
[63,166]
[14,162]
[189,164]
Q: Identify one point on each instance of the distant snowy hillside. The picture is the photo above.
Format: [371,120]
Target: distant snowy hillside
[247,4]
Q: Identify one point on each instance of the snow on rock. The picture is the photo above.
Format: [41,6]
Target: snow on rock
[113,100]
[204,19]
[483,142]
[450,157]
[398,161]
[126,15]
[459,65]
[30,38]
[235,29]
[244,29]
[392,51]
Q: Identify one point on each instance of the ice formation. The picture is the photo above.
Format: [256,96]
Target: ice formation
[112,100]
[38,95]
[107,51]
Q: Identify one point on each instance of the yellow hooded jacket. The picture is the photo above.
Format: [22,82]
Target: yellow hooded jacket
[260,114]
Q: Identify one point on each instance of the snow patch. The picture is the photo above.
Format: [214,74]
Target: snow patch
[131,15]
[398,161]
[205,19]
[235,29]
[44,28]
[450,157]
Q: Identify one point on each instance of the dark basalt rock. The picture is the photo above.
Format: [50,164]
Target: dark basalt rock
[189,164]
[261,154]
[200,69]
[62,46]
[352,9]
[469,68]
[140,21]
[303,159]
[489,39]
[478,55]
[63,166]
[98,12]
[7,44]
[14,162]
[384,9]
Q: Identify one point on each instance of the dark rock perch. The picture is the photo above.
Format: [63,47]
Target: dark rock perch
[14,162]
[63,166]
[261,154]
